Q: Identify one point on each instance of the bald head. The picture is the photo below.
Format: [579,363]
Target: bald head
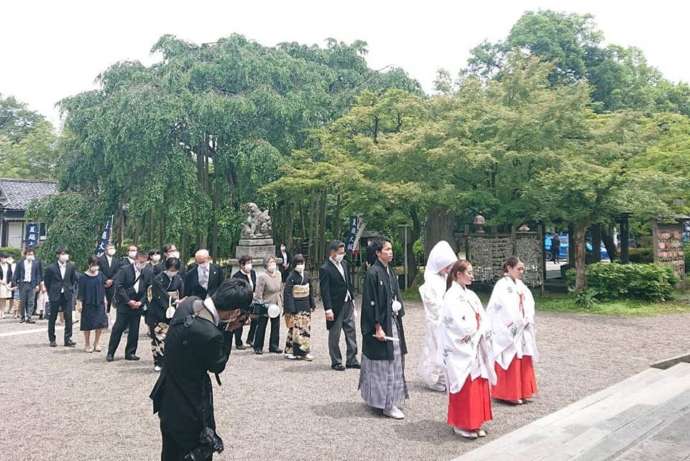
[201,257]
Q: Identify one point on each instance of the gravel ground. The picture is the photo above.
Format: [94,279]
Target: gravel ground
[66,404]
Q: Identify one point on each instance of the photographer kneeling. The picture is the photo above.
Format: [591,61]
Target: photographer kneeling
[198,341]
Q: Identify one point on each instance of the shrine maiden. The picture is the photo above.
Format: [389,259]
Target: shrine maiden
[466,354]
[511,309]
[441,259]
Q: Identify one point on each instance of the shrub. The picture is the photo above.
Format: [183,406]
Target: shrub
[686,251]
[16,253]
[641,255]
[651,282]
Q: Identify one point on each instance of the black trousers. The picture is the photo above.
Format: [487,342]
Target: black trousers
[250,337]
[273,340]
[109,292]
[64,304]
[125,319]
[177,445]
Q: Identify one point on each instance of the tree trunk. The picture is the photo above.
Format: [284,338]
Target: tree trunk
[580,255]
[439,226]
[609,244]
[596,243]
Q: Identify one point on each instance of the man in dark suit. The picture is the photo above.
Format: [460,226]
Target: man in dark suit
[131,284]
[198,341]
[28,278]
[248,274]
[109,264]
[286,258]
[60,279]
[338,303]
[203,278]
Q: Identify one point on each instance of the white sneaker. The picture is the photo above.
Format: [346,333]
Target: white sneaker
[394,413]
[290,356]
[157,369]
[438,387]
[308,357]
[466,434]
[481,433]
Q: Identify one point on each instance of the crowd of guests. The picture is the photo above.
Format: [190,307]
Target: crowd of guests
[471,353]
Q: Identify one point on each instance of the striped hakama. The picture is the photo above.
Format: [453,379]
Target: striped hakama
[382,382]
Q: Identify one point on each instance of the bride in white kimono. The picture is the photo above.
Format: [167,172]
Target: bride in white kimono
[466,354]
[441,259]
[511,309]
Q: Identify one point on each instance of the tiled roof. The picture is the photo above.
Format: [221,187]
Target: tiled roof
[16,194]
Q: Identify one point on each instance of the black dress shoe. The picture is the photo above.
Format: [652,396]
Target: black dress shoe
[276,351]
[257,352]
[22,321]
[30,321]
[70,343]
[109,358]
[53,344]
[241,347]
[338,367]
[354,365]
[131,357]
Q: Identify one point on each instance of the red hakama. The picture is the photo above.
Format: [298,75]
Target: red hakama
[518,382]
[471,407]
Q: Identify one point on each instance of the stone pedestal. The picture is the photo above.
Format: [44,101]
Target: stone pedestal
[257,249]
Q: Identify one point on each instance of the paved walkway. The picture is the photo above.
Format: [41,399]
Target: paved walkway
[65,404]
[644,417]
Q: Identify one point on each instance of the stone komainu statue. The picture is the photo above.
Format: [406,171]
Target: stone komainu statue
[258,223]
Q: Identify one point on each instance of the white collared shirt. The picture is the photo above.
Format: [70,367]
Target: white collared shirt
[27,270]
[341,269]
[63,270]
[137,277]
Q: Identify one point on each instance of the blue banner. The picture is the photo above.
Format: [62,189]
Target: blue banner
[105,237]
[32,235]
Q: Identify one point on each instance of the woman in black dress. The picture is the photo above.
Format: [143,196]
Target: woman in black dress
[166,290]
[91,293]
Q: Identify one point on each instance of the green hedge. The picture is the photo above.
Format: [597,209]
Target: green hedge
[642,255]
[16,253]
[610,281]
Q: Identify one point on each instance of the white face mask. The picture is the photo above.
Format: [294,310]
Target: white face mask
[63,258]
[300,268]
[132,254]
[156,259]
[10,261]
[271,267]
[248,267]
[140,266]
[174,254]
[30,258]
[282,248]
[111,252]
[93,270]
[339,258]
[170,275]
[204,265]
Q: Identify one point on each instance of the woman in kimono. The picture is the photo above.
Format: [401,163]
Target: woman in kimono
[466,354]
[511,309]
[299,304]
[441,259]
[166,290]
[91,293]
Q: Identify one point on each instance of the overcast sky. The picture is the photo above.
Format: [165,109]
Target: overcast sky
[52,49]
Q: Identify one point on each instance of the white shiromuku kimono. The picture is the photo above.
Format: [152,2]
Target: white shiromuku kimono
[511,310]
[465,349]
[432,291]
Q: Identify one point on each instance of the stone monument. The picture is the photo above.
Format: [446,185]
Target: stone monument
[256,240]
